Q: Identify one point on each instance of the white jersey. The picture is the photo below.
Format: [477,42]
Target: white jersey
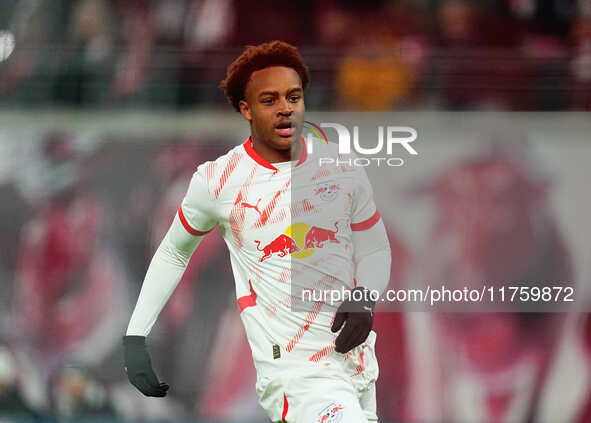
[288,227]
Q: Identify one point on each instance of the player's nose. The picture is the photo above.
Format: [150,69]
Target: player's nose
[285,108]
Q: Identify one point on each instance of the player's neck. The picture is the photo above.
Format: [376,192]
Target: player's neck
[273,155]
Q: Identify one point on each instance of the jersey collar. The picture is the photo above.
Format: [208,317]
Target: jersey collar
[257,158]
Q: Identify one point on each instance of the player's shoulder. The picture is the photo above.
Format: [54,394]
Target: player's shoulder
[212,176]
[212,169]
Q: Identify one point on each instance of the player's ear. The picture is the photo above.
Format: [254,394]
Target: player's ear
[245,110]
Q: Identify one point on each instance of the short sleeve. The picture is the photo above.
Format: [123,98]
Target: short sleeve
[197,211]
[364,213]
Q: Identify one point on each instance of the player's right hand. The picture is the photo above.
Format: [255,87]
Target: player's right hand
[138,367]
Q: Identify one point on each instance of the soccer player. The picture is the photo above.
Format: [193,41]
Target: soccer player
[292,226]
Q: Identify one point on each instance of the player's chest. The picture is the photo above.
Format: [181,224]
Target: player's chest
[289,213]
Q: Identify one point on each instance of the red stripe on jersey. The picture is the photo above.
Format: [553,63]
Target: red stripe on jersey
[232,163]
[247,300]
[236,219]
[188,227]
[271,206]
[271,309]
[310,318]
[285,275]
[285,408]
[325,282]
[361,367]
[300,208]
[321,173]
[322,353]
[279,216]
[238,212]
[366,224]
[210,171]
[258,272]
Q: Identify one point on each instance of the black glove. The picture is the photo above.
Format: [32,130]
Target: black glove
[359,318]
[138,367]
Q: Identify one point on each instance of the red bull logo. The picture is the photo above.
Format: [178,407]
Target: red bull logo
[316,237]
[300,240]
[282,245]
[331,414]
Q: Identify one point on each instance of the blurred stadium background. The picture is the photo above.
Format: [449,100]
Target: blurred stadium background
[106,107]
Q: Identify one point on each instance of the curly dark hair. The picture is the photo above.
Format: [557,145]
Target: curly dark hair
[253,58]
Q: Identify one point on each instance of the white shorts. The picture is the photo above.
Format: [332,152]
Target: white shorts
[328,392]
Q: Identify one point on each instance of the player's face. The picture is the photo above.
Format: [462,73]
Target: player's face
[274,106]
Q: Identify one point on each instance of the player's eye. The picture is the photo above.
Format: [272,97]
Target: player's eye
[267,101]
[294,98]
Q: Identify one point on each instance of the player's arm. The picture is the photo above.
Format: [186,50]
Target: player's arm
[372,260]
[163,275]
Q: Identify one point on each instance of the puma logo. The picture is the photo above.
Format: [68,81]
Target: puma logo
[250,206]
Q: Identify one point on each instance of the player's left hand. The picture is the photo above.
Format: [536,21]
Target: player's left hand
[358,316]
